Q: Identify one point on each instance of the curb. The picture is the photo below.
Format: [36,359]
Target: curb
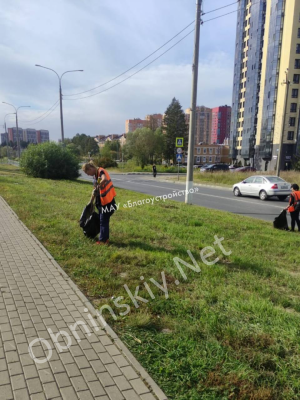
[159,394]
[150,173]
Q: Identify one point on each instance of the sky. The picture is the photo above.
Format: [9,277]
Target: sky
[105,38]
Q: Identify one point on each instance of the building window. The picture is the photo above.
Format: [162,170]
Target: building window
[298,49]
[292,121]
[293,107]
[298,33]
[210,150]
[210,159]
[204,159]
[198,159]
[204,151]
[294,93]
[296,78]
[297,64]
[290,135]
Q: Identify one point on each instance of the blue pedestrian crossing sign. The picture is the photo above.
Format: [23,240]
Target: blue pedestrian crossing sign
[179,142]
[178,157]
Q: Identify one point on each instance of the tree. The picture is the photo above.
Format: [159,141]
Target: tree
[174,126]
[141,145]
[160,145]
[24,144]
[85,144]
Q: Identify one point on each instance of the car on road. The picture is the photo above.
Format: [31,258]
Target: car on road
[243,169]
[214,168]
[263,186]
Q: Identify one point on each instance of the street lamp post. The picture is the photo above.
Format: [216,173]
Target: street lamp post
[6,134]
[60,96]
[18,137]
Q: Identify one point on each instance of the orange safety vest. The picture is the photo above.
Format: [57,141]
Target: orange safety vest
[107,192]
[296,196]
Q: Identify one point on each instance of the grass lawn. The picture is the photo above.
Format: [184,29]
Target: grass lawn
[230,331]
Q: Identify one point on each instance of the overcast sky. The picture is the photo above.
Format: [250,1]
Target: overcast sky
[105,38]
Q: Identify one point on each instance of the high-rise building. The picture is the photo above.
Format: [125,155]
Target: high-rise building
[132,124]
[3,138]
[203,124]
[42,136]
[220,127]
[12,134]
[29,135]
[154,121]
[267,45]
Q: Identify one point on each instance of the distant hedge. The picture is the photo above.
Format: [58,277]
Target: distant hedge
[49,161]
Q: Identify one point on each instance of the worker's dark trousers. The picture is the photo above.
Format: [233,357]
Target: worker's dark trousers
[295,220]
[104,226]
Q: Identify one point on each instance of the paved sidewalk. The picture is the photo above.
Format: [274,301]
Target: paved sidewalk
[35,295]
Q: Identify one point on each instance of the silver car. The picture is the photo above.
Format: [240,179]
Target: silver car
[263,186]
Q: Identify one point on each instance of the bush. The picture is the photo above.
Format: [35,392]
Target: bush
[105,162]
[50,161]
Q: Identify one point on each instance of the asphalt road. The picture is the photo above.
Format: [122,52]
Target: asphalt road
[209,197]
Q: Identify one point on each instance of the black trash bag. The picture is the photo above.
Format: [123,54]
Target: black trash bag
[280,222]
[90,221]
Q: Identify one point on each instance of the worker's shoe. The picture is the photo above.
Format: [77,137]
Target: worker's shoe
[103,243]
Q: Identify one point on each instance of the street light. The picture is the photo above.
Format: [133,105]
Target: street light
[6,134]
[60,95]
[18,137]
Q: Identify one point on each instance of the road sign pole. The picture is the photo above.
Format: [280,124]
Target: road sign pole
[178,170]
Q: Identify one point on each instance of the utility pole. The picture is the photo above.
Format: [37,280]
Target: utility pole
[287,83]
[190,163]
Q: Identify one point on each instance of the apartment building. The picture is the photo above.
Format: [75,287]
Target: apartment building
[154,121]
[42,136]
[220,126]
[132,124]
[4,138]
[12,134]
[30,135]
[264,105]
[203,124]
[211,154]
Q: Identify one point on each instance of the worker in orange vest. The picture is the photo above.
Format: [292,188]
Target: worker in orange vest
[293,207]
[104,193]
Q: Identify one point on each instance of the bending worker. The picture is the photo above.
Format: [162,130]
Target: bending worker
[104,193]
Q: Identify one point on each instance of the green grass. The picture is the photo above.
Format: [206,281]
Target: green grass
[230,178]
[230,331]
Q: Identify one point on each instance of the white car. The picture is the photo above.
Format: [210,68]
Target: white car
[263,186]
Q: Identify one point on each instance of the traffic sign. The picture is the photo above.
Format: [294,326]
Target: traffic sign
[179,150]
[178,157]
[179,142]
